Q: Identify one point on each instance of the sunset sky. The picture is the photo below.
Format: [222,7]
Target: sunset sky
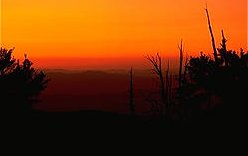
[118,28]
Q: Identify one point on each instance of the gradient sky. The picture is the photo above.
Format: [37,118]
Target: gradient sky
[118,28]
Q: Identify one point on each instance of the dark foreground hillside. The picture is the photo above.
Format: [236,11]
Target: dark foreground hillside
[209,134]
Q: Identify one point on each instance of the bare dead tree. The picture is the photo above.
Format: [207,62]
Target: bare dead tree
[156,62]
[180,47]
[131,101]
[212,36]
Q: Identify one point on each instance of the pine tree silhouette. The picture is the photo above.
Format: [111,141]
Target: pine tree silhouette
[20,84]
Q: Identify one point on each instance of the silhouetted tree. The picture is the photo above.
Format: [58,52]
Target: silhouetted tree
[180,47]
[7,62]
[131,102]
[223,50]
[212,36]
[20,84]
[165,84]
[156,62]
[219,82]
[157,69]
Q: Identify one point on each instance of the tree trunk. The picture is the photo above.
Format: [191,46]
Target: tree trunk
[131,102]
[212,36]
[180,64]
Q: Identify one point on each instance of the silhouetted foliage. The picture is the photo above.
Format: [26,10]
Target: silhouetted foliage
[220,83]
[20,84]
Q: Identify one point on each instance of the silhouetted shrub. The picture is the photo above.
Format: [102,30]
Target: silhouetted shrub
[20,84]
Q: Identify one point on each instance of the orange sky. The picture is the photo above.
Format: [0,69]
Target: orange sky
[118,28]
